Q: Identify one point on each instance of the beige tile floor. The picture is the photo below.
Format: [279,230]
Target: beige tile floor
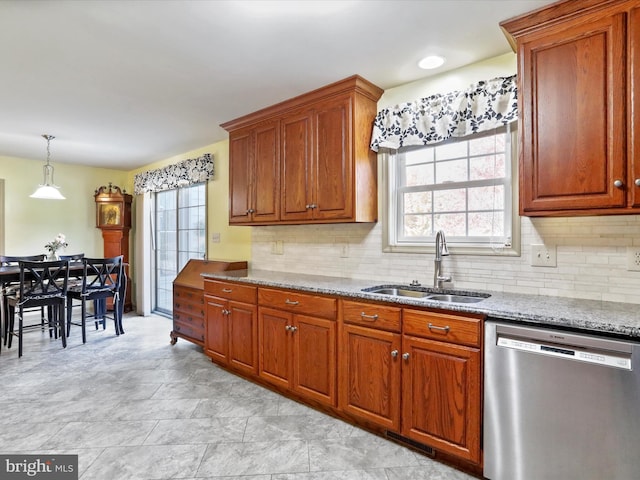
[135,407]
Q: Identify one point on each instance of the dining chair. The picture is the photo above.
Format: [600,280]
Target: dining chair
[42,284]
[101,281]
[9,288]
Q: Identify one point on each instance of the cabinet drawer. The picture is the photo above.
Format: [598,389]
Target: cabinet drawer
[188,329]
[466,330]
[187,295]
[230,291]
[193,321]
[298,302]
[371,315]
[193,309]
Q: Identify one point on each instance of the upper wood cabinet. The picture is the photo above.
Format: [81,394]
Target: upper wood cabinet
[306,160]
[256,154]
[577,71]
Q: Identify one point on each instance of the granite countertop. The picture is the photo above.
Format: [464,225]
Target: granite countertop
[610,318]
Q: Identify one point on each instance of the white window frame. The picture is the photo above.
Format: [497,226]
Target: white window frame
[388,171]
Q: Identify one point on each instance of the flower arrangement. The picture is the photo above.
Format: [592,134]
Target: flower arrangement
[56,244]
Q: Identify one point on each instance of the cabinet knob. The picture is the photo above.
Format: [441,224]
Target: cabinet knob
[394,353]
[637,182]
[618,183]
[293,329]
[287,327]
[405,356]
[251,210]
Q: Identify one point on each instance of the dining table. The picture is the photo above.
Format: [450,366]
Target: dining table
[11,274]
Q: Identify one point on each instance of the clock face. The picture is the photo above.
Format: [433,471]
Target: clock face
[110,214]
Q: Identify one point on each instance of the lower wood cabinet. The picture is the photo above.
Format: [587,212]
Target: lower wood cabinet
[441,396]
[369,380]
[424,384]
[231,336]
[413,372]
[442,381]
[297,343]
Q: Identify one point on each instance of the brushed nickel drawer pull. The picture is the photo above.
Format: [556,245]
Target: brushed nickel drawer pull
[372,318]
[227,290]
[289,302]
[435,327]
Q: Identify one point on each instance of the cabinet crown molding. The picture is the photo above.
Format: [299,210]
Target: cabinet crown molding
[348,85]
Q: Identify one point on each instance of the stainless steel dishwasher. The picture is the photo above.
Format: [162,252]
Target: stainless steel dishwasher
[560,405]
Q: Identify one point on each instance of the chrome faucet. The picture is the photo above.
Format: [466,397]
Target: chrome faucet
[441,251]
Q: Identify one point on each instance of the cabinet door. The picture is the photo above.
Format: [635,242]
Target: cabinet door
[441,395]
[634,151]
[240,176]
[266,173]
[274,346]
[333,163]
[243,337]
[369,380]
[296,164]
[314,356]
[216,330]
[573,117]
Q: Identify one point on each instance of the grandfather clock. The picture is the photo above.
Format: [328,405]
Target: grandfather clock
[113,217]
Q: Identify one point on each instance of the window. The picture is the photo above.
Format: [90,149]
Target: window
[462,186]
[180,234]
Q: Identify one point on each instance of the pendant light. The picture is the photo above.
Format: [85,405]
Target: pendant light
[48,190]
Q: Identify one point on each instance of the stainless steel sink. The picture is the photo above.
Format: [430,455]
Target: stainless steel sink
[400,292]
[456,298]
[427,294]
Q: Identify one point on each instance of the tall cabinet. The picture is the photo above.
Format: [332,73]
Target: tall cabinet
[306,160]
[578,71]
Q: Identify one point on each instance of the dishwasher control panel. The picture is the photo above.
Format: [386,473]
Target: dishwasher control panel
[611,359]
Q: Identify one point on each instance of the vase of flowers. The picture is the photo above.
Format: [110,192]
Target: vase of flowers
[58,243]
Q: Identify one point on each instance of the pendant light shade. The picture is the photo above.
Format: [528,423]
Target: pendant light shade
[48,190]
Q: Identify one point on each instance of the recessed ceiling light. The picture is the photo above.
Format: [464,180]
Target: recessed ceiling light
[432,61]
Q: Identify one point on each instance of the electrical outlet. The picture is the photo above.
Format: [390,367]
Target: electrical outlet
[633,259]
[543,255]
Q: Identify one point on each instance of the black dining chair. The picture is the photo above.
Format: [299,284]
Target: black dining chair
[10,288]
[42,284]
[102,279]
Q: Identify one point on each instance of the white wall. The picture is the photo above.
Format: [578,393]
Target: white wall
[591,251]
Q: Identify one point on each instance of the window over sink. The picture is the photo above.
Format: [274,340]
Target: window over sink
[464,186]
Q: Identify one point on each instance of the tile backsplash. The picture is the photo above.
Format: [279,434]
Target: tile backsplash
[591,257]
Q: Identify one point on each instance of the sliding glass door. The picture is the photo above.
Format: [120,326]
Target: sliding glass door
[180,233]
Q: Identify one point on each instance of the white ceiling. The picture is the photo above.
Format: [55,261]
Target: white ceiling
[121,83]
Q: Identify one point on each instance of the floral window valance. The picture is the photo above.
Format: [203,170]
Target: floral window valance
[486,105]
[181,174]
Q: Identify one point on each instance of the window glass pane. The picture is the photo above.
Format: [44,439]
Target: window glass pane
[488,167]
[486,224]
[450,200]
[488,144]
[453,224]
[486,198]
[451,150]
[421,155]
[451,171]
[417,226]
[417,202]
[421,174]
